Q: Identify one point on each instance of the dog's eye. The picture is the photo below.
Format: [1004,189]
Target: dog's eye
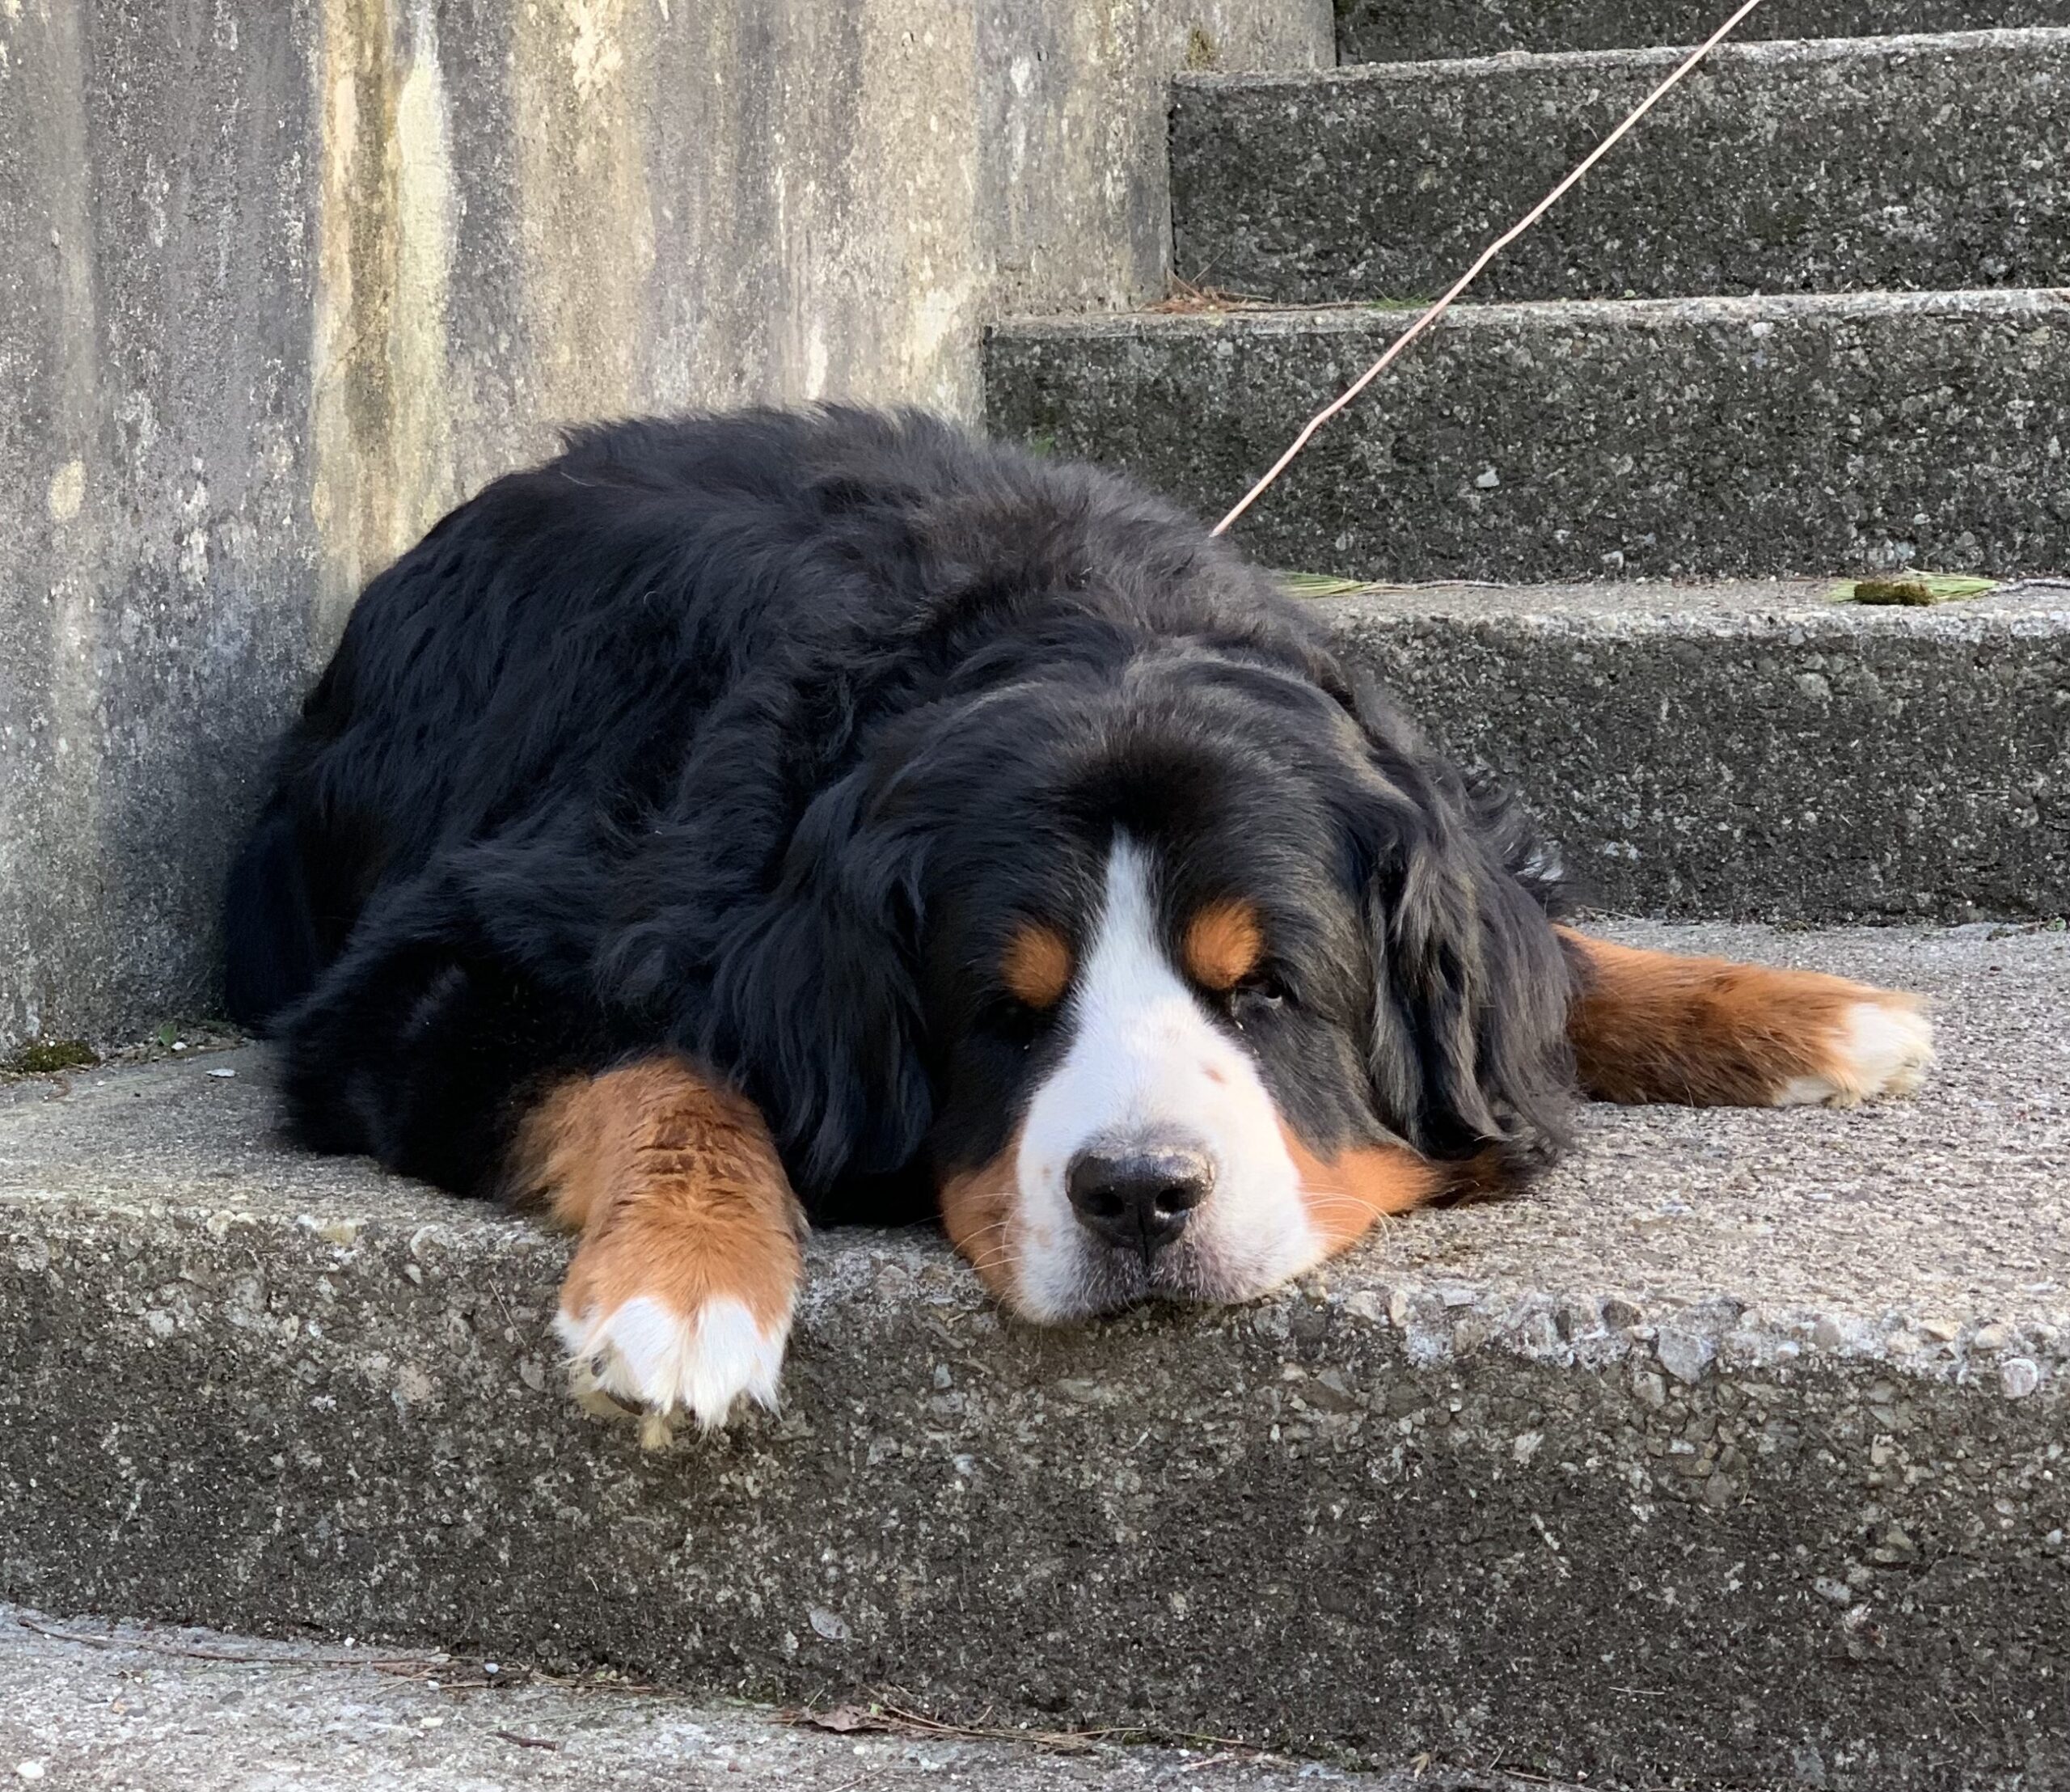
[1260,993]
[1017,1022]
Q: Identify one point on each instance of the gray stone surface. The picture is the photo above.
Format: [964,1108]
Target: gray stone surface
[1416,30]
[1901,163]
[88,1706]
[279,284]
[1756,750]
[157,557]
[1696,437]
[1733,1455]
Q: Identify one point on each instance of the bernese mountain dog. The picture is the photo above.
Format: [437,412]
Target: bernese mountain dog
[742,820]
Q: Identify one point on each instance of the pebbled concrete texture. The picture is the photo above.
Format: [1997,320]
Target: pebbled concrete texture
[1374,31]
[279,284]
[1900,163]
[1733,1455]
[89,1707]
[1756,750]
[1694,437]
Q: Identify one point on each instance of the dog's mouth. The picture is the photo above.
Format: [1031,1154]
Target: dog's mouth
[1111,1280]
[1114,1281]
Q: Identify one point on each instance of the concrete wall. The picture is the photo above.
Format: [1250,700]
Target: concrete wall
[281,280]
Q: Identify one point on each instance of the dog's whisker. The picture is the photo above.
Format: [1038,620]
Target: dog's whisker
[997,1260]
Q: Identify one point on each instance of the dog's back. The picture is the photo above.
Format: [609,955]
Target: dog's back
[554,641]
[547,665]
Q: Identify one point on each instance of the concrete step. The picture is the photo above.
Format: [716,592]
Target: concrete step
[1734,1454]
[84,1705]
[1918,163]
[1691,437]
[1416,31]
[1757,751]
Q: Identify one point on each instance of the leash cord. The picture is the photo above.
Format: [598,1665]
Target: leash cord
[1429,317]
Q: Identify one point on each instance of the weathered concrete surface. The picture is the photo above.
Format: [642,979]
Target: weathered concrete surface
[1703,437]
[1416,30]
[1900,163]
[129,1706]
[279,284]
[157,561]
[1733,1455]
[1757,751]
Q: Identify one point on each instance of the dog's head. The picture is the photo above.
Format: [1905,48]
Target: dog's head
[1177,964]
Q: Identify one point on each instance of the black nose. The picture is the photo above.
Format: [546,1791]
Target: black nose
[1138,1199]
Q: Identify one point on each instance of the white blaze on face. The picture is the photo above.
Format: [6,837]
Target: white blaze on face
[1144,1064]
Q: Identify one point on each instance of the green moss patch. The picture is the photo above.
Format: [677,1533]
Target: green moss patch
[41,1057]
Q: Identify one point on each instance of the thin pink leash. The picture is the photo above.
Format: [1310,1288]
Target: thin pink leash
[1473,273]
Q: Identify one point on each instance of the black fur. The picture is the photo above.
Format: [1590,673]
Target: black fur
[752,737]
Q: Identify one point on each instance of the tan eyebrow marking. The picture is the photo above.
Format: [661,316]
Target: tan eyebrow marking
[1037,965]
[1224,942]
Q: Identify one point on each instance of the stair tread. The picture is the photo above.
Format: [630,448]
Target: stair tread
[87,1702]
[1348,316]
[1755,435]
[1724,1370]
[1754,748]
[1782,51]
[1850,164]
[1637,606]
[1955,1186]
[1379,31]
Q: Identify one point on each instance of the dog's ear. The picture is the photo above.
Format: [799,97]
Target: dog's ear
[800,984]
[814,992]
[1468,1050]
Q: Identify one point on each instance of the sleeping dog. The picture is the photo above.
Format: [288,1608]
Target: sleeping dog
[742,820]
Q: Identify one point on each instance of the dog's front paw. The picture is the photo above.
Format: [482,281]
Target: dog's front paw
[668,1312]
[679,1298]
[647,1356]
[1880,1045]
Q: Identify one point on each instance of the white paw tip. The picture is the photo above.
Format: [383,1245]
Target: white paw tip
[1882,1048]
[645,1355]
